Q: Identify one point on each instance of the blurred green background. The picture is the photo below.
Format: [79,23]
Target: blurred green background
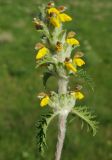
[20,81]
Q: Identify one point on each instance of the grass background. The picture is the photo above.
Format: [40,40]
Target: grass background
[20,82]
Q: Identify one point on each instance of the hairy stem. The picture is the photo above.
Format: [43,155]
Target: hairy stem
[62,86]
[61,135]
[62,89]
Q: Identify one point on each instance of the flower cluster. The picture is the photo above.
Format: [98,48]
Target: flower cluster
[57,45]
[57,54]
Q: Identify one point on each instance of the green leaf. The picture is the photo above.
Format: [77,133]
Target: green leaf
[86,116]
[46,76]
[88,80]
[45,60]
[42,126]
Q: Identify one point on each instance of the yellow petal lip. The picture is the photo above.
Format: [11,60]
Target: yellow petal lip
[70,67]
[55,21]
[53,10]
[72,41]
[44,101]
[64,17]
[78,61]
[78,95]
[41,53]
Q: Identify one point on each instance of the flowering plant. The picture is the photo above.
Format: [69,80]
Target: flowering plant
[55,54]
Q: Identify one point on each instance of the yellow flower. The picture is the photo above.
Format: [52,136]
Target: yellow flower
[69,66]
[55,21]
[41,53]
[57,17]
[44,101]
[64,17]
[78,95]
[53,10]
[72,41]
[78,61]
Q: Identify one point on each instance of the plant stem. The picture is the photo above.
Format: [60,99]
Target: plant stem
[61,135]
[62,89]
[62,86]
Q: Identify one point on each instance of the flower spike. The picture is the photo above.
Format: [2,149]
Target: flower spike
[55,52]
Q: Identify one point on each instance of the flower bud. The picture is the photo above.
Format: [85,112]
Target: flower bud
[71,34]
[38,24]
[41,95]
[79,54]
[62,8]
[78,87]
[39,46]
[50,4]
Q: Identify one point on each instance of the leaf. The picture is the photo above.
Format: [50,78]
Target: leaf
[89,82]
[86,116]
[42,126]
[46,60]
[46,76]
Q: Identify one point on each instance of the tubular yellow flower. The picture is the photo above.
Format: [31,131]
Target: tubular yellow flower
[41,53]
[64,17]
[53,10]
[70,67]
[72,41]
[44,101]
[78,61]
[78,95]
[55,21]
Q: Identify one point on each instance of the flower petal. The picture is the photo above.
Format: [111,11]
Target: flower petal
[55,21]
[41,53]
[72,41]
[64,17]
[78,95]
[78,61]
[53,10]
[44,101]
[69,66]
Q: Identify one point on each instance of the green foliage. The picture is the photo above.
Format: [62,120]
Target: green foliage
[16,98]
[46,76]
[86,116]
[87,78]
[45,61]
[42,126]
